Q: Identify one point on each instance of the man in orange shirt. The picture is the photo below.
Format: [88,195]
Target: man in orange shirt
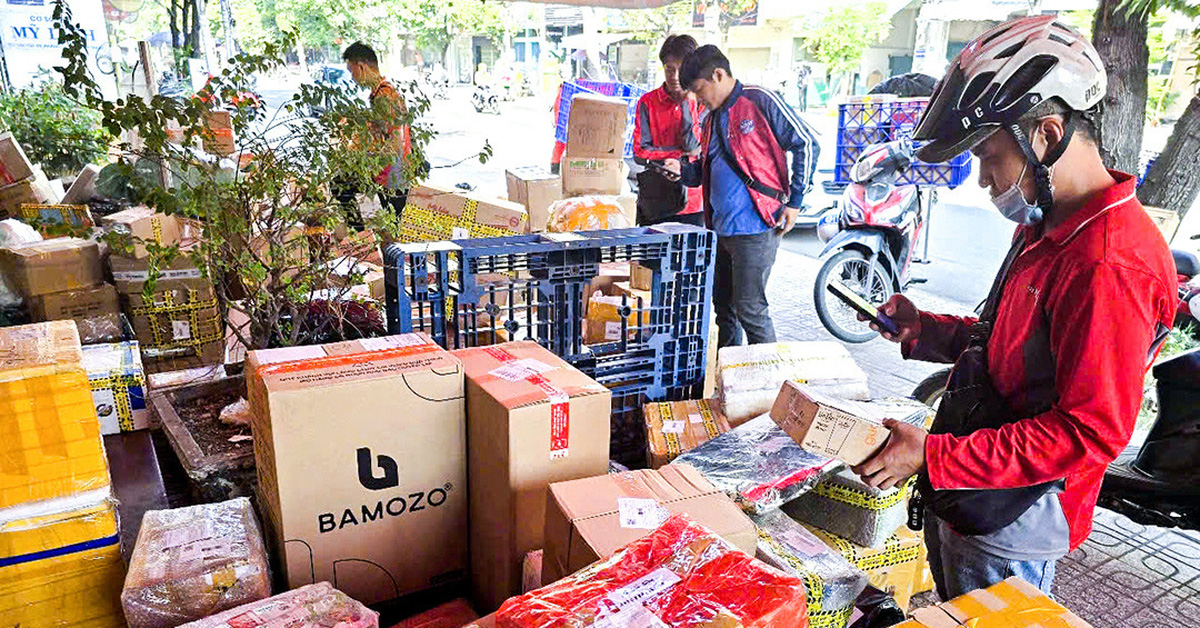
[389,124]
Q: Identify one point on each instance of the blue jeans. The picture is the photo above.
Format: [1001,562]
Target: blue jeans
[958,567]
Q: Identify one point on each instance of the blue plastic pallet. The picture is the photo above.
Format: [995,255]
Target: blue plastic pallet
[861,124]
[627,92]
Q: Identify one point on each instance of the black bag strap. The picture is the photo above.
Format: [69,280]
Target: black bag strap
[749,182]
[982,330]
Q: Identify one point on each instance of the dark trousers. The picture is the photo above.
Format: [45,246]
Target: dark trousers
[696,219]
[743,266]
[346,194]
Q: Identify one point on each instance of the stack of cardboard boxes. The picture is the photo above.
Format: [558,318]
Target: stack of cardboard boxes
[438,213]
[20,181]
[63,279]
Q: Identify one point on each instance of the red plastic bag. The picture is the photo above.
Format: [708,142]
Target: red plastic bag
[680,576]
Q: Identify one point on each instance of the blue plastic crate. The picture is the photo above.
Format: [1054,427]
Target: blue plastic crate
[627,92]
[872,121]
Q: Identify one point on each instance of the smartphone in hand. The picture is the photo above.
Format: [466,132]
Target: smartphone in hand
[862,306]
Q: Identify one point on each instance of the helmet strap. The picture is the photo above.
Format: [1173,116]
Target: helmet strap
[1042,167]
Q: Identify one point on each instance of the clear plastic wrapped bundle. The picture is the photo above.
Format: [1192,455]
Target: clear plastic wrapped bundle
[749,376]
[831,581]
[682,575]
[586,213]
[311,606]
[192,562]
[842,504]
[758,465]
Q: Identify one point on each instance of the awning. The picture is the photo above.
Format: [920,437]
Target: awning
[579,42]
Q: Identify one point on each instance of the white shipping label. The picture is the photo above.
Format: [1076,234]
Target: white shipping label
[459,233]
[645,588]
[181,330]
[673,427]
[803,543]
[612,331]
[636,616]
[638,513]
[185,534]
[519,370]
[695,418]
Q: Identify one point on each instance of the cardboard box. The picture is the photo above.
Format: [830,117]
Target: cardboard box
[381,422]
[178,327]
[590,519]
[895,568]
[533,420]
[68,569]
[130,275]
[596,126]
[591,175]
[1011,603]
[51,446]
[838,428]
[218,133]
[641,277]
[53,265]
[47,216]
[35,189]
[95,311]
[1166,220]
[535,188]
[673,427]
[118,385]
[14,166]
[140,225]
[437,213]
[749,376]
[452,614]
[84,187]
[604,315]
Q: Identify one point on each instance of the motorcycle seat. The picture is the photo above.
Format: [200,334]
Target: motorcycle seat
[1186,263]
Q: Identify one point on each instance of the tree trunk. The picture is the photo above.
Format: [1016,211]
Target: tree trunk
[1174,180]
[1121,41]
[300,58]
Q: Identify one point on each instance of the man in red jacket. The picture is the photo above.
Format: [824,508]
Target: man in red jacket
[1082,304]
[667,127]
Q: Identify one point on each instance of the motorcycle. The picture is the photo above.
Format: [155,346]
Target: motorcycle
[485,100]
[436,83]
[870,241]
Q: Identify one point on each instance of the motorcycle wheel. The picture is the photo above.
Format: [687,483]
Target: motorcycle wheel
[851,267]
[929,391]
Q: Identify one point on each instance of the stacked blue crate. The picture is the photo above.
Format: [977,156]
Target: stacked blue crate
[872,120]
[627,92]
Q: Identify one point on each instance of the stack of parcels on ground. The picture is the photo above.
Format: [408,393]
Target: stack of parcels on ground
[748,377]
[1011,603]
[192,562]
[63,279]
[312,606]
[60,558]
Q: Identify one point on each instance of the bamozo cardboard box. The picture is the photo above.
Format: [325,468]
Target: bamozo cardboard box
[532,420]
[360,451]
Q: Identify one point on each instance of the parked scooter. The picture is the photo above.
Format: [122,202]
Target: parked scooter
[485,99]
[871,239]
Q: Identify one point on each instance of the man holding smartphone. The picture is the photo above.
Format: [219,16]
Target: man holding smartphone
[667,127]
[752,195]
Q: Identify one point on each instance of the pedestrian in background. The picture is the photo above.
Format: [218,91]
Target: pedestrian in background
[667,126]
[751,195]
[802,86]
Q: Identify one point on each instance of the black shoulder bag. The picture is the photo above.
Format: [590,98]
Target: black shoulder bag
[970,403]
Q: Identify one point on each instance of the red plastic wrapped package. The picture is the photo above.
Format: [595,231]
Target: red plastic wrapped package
[682,575]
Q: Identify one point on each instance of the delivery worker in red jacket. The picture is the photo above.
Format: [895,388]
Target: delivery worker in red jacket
[751,194]
[1078,312]
[667,127]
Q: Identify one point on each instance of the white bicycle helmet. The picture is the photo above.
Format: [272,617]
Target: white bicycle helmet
[1000,77]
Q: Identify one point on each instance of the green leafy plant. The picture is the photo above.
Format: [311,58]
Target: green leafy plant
[840,36]
[52,130]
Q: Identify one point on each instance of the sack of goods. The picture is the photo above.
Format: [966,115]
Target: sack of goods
[844,505]
[832,583]
[192,562]
[312,606]
[681,574]
[586,213]
[749,376]
[758,465]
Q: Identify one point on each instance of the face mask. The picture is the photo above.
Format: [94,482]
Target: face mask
[1013,206]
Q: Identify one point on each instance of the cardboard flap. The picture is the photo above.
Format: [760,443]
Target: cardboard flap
[518,374]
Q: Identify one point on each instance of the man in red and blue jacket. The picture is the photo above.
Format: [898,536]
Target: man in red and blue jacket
[751,195]
[667,126]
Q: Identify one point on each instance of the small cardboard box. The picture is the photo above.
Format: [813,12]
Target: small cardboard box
[35,189]
[178,325]
[437,213]
[533,420]
[14,166]
[640,277]
[604,313]
[1012,603]
[84,187]
[839,428]
[381,423]
[95,311]
[53,265]
[218,133]
[673,427]
[596,127]
[130,275]
[590,519]
[140,225]
[48,215]
[535,188]
[118,385]
[592,175]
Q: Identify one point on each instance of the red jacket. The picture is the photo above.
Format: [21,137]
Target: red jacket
[1081,317]
[666,129]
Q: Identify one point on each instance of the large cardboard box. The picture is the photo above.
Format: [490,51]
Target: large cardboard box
[596,127]
[360,451]
[437,213]
[118,385]
[592,175]
[53,265]
[14,166]
[130,275]
[839,428]
[674,427]
[590,519]
[95,311]
[533,420]
[535,188]
[51,445]
[141,225]
[1011,603]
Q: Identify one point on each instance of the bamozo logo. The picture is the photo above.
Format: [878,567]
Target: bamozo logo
[366,471]
[390,507]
